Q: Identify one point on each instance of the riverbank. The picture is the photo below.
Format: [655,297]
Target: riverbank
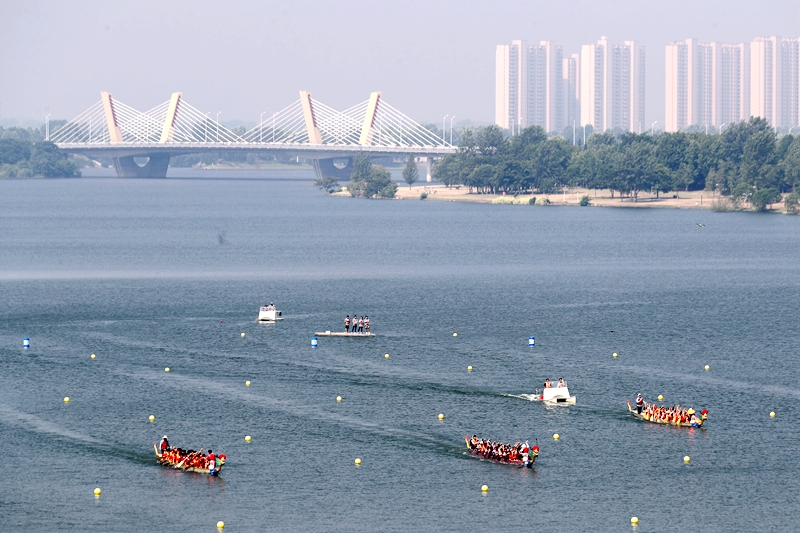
[599,198]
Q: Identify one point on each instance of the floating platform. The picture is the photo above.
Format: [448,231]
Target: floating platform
[341,334]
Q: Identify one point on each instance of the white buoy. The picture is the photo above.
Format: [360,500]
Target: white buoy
[660,397]
[441,416]
[455,334]
[772,414]
[242,334]
[166,369]
[246,383]
[26,342]
[152,418]
[248,438]
[469,369]
[93,356]
[338,398]
[313,342]
[358,461]
[531,341]
[686,458]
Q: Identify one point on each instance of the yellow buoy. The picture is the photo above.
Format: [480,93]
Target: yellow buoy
[660,397]
[441,416]
[556,436]
[93,356]
[485,488]
[246,383]
[152,418]
[686,458]
[338,398]
[772,414]
[166,369]
[386,356]
[220,525]
[455,334]
[469,369]
[248,438]
[242,334]
[66,399]
[358,461]
[615,354]
[634,520]
[97,491]
[707,367]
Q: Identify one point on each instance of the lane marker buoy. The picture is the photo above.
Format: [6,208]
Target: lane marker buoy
[485,488]
[248,438]
[615,355]
[357,461]
[441,416]
[469,369]
[556,436]
[660,397]
[772,414]
[246,383]
[97,491]
[152,418]
[338,398]
[242,334]
[455,334]
[166,369]
[707,367]
[386,356]
[686,458]
[634,520]
[66,399]
[93,356]
[220,525]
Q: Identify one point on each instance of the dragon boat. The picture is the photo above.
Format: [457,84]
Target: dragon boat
[183,464]
[693,420]
[477,453]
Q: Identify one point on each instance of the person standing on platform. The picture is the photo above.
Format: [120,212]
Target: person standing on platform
[347,324]
[361,325]
[366,323]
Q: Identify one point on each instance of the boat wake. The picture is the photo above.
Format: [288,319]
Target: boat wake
[529,397]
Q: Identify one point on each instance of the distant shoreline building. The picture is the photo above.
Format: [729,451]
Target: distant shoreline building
[714,84]
[604,86]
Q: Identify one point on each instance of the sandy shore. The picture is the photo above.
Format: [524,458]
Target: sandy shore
[599,197]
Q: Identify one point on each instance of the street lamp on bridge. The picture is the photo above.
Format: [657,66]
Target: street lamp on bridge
[451,128]
[218,112]
[443,127]
[47,127]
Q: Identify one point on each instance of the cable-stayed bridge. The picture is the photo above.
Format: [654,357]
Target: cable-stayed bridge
[142,142]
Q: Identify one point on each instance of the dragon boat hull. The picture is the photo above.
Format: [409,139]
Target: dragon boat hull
[644,418]
[178,466]
[478,454]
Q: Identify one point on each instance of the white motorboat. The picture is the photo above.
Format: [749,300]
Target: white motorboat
[268,313]
[555,395]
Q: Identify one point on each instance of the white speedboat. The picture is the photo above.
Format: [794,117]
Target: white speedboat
[554,395]
[268,313]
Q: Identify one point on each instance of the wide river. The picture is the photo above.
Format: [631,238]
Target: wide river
[148,274]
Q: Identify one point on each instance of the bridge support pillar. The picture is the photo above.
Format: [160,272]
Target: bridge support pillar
[429,169]
[325,168]
[156,166]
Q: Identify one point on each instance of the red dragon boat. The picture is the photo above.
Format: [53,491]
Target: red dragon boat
[489,456]
[190,461]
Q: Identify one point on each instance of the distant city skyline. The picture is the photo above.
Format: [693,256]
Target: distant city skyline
[247,57]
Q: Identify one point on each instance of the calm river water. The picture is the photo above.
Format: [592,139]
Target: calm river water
[148,274]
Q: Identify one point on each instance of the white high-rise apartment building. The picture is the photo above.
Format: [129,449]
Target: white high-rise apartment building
[612,85]
[571,89]
[706,84]
[528,86]
[774,80]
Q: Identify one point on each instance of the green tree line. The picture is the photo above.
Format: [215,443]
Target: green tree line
[21,158]
[745,159]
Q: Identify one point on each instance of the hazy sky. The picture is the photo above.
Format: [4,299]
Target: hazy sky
[430,58]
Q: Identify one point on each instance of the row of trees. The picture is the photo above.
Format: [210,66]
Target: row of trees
[21,158]
[747,155]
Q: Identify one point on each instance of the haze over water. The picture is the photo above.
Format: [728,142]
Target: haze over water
[154,273]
